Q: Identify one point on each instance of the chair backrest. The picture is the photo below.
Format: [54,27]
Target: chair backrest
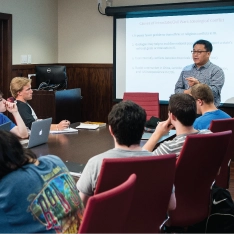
[68,105]
[222,179]
[155,176]
[196,169]
[107,212]
[148,101]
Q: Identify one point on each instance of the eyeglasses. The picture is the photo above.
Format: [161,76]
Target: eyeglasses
[198,52]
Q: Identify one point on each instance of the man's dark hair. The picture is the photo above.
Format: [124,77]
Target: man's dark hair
[207,44]
[183,107]
[127,121]
[12,155]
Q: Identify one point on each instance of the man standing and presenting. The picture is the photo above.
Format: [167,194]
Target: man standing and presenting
[205,106]
[202,71]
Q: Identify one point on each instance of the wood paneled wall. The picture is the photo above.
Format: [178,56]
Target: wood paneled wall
[96,82]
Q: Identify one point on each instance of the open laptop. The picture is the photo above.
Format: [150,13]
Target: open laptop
[6,126]
[39,133]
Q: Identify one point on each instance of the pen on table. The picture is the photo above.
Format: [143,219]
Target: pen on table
[68,124]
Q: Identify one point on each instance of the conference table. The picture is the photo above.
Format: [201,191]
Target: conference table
[77,148]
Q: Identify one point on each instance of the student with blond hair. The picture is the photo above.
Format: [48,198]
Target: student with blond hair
[20,88]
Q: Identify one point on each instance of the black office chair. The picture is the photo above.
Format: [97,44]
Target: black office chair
[68,105]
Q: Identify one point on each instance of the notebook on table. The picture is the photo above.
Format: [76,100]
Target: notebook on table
[6,126]
[39,133]
[147,135]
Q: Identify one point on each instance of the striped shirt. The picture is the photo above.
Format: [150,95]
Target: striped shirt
[174,146]
[209,74]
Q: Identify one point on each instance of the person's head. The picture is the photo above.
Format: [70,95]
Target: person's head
[127,121]
[2,103]
[203,95]
[183,107]
[203,92]
[201,52]
[20,88]
[12,155]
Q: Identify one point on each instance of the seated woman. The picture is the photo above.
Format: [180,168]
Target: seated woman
[20,129]
[37,195]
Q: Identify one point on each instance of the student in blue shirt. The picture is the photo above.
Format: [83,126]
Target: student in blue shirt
[38,195]
[205,106]
[20,129]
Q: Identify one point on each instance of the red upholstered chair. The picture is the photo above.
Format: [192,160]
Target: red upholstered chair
[219,125]
[196,169]
[155,176]
[148,101]
[107,212]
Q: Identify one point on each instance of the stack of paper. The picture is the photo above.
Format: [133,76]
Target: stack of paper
[100,124]
[67,130]
[88,126]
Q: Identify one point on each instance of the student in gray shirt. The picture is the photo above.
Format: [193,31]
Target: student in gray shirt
[126,125]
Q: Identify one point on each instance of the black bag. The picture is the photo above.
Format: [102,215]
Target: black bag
[221,219]
[151,124]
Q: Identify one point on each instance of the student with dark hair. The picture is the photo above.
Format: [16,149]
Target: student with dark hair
[181,116]
[202,71]
[205,106]
[20,129]
[126,125]
[37,195]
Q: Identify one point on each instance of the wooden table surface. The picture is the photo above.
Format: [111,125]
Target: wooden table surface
[77,147]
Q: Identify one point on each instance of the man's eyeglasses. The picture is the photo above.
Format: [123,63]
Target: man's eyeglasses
[198,52]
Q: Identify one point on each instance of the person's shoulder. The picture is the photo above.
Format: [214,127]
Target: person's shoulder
[188,67]
[51,158]
[197,120]
[204,131]
[214,66]
[99,157]
[200,118]
[4,118]
[118,153]
[223,114]
[20,104]
[1,115]
[15,178]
